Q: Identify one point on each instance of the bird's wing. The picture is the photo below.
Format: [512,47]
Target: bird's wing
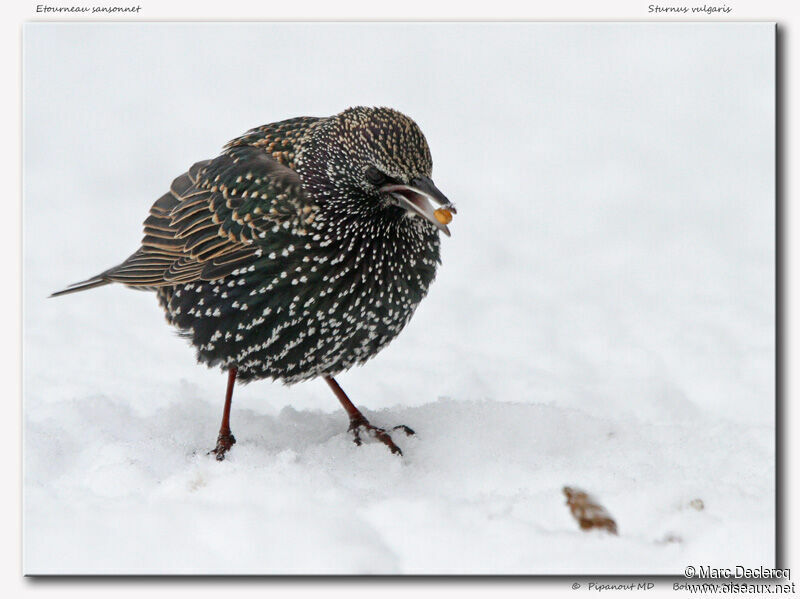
[208,224]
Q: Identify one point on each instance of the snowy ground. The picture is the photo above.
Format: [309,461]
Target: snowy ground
[603,317]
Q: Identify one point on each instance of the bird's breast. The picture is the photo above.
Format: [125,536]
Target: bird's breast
[307,306]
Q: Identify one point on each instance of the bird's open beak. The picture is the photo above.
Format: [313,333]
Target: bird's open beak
[414,198]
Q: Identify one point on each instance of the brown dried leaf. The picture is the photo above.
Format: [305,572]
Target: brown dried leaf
[588,512]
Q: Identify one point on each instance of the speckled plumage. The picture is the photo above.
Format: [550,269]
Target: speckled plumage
[281,257]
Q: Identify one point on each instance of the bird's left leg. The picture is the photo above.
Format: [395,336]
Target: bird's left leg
[359,421]
[225,440]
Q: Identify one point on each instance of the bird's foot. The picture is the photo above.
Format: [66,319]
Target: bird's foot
[359,422]
[224,442]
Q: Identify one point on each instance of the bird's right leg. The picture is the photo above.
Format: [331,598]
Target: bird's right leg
[359,421]
[225,440]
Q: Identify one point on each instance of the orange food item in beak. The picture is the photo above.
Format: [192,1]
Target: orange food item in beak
[443,215]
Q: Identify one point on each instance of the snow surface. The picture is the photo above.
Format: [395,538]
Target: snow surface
[603,317]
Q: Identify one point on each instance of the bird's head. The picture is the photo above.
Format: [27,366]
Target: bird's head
[375,161]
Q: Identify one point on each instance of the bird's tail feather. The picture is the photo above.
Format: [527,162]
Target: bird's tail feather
[96,281]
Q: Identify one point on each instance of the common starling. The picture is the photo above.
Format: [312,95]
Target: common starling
[302,249]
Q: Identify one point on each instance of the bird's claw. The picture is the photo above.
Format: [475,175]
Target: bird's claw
[224,443]
[406,429]
[378,433]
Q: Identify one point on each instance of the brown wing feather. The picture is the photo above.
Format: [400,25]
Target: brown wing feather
[203,229]
[206,226]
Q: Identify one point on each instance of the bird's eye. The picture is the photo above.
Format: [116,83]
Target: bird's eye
[375,177]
